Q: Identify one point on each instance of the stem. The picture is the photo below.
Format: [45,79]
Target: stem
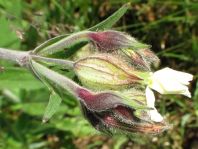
[66,42]
[60,62]
[18,57]
[56,78]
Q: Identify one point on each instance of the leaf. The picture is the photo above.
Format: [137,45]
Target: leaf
[32,108]
[77,125]
[61,87]
[52,107]
[15,9]
[110,21]
[18,78]
[119,142]
[7,36]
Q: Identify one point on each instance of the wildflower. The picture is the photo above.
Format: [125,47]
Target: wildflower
[106,111]
[109,72]
[118,80]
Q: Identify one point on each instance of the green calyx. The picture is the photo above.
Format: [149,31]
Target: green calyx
[106,72]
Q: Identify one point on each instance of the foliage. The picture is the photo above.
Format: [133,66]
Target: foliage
[169,26]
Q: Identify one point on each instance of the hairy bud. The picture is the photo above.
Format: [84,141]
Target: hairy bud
[121,119]
[109,113]
[105,71]
[112,40]
[142,59]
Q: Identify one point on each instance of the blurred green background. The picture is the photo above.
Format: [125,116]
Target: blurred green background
[170,26]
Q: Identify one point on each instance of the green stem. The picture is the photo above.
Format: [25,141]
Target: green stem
[18,57]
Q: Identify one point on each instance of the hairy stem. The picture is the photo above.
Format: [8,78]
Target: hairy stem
[66,42]
[60,62]
[18,57]
[56,78]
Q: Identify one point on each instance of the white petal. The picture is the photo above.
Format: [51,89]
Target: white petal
[156,85]
[155,116]
[169,73]
[169,81]
[187,93]
[150,98]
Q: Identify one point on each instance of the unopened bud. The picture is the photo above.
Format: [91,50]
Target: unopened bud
[113,40]
[121,119]
[105,71]
[142,59]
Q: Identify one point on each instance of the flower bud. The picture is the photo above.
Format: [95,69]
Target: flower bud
[99,101]
[139,55]
[107,113]
[105,71]
[112,40]
[121,119]
[142,59]
[149,57]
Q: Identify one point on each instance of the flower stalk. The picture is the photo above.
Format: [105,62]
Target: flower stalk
[54,61]
[18,57]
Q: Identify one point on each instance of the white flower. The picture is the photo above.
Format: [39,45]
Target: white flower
[150,98]
[166,81]
[169,81]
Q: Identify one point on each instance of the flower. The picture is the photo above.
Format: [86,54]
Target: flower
[108,111]
[118,78]
[169,81]
[106,71]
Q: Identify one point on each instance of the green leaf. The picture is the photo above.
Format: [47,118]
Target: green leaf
[7,36]
[110,21]
[18,78]
[61,87]
[120,140]
[77,125]
[52,107]
[11,9]
[32,108]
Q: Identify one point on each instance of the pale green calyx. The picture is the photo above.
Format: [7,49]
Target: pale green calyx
[107,71]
